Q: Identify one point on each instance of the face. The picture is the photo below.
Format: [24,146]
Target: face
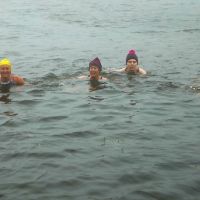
[132,66]
[5,72]
[94,73]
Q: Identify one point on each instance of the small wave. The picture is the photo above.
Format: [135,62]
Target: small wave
[40,155]
[82,134]
[52,118]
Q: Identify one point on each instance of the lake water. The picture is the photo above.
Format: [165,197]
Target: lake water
[133,137]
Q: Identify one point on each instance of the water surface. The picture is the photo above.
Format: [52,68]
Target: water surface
[133,137]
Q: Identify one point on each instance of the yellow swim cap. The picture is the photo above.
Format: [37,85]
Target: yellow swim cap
[5,61]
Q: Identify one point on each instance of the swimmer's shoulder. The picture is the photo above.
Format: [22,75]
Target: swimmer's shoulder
[142,71]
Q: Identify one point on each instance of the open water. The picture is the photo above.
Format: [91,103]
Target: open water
[130,138]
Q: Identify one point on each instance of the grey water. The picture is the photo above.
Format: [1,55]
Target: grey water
[132,137]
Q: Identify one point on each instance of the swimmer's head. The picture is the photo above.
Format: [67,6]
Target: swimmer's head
[5,70]
[5,63]
[131,55]
[96,62]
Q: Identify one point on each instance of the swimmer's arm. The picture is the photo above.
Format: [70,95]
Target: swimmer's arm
[142,71]
[104,78]
[18,80]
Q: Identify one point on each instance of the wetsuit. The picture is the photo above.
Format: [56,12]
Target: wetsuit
[14,80]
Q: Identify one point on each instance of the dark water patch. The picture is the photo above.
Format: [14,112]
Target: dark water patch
[28,102]
[5,98]
[9,113]
[155,195]
[139,178]
[52,118]
[100,119]
[96,85]
[170,137]
[10,123]
[73,151]
[85,106]
[191,30]
[133,102]
[193,115]
[17,136]
[21,155]
[81,64]
[5,171]
[163,86]
[81,134]
[174,120]
[172,73]
[54,60]
[92,193]
[96,98]
[172,165]
[114,126]
[70,183]
[48,79]
[192,189]
[43,174]
[36,92]
[41,187]
[157,111]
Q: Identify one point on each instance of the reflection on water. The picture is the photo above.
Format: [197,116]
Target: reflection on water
[96,85]
[5,87]
[5,98]
[131,137]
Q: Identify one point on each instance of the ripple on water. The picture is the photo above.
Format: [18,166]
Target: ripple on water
[52,118]
[139,178]
[38,155]
[28,102]
[152,195]
[172,165]
[191,189]
[36,92]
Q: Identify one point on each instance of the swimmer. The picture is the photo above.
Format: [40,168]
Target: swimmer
[7,79]
[95,69]
[132,66]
